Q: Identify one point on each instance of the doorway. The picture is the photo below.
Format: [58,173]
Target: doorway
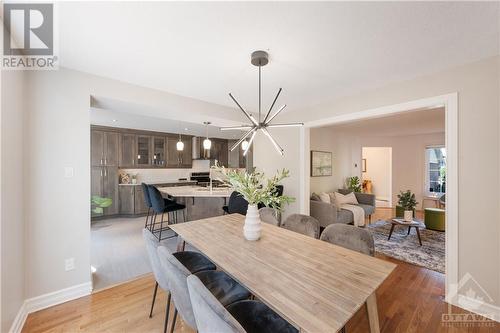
[376,174]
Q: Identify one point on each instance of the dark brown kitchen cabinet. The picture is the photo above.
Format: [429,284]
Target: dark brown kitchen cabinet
[158,148]
[143,148]
[104,148]
[139,204]
[219,151]
[176,158]
[104,183]
[127,150]
[127,199]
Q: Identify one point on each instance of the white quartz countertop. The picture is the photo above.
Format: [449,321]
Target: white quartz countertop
[196,192]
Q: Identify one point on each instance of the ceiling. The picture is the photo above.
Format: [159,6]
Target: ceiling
[318,51]
[428,121]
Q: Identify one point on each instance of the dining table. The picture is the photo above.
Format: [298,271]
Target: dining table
[314,285]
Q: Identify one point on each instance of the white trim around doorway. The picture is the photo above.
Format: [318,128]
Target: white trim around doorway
[450,103]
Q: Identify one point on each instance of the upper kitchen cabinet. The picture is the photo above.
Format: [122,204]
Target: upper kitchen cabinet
[104,148]
[159,151]
[143,148]
[176,158]
[219,151]
[128,153]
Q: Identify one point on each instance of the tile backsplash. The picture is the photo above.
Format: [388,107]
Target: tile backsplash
[159,175]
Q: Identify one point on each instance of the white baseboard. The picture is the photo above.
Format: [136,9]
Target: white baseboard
[473,305]
[47,300]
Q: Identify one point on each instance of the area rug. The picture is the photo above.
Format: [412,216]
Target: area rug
[406,248]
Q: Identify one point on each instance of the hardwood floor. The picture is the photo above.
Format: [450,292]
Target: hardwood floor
[410,300]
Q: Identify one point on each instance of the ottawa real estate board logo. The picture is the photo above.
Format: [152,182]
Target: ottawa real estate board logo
[29,37]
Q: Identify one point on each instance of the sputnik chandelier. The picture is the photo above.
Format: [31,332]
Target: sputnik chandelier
[259,59]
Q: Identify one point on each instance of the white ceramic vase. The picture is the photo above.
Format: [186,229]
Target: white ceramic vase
[252,227]
[408,215]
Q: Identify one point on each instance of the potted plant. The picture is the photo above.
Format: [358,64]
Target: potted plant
[354,184]
[98,204]
[408,202]
[255,188]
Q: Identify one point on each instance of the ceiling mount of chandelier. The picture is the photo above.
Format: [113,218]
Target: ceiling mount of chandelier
[259,59]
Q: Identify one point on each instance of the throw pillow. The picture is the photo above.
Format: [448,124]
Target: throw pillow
[324,197]
[349,198]
[333,201]
[315,197]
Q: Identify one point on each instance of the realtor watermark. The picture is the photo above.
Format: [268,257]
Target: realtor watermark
[29,36]
[470,295]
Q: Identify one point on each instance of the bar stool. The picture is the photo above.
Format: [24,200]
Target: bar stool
[147,201]
[162,206]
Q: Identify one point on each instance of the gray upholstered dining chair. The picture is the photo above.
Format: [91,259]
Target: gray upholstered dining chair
[193,260]
[350,237]
[221,285]
[303,224]
[268,215]
[240,317]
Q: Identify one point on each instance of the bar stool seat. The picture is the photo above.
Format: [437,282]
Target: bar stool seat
[194,262]
[257,317]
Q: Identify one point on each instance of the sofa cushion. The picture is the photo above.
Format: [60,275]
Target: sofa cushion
[367,208]
[349,198]
[345,216]
[315,197]
[324,197]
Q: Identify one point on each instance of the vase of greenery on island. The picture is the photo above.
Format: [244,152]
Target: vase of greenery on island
[408,202]
[255,189]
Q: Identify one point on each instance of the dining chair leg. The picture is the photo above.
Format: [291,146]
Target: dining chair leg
[154,298]
[172,326]
[161,226]
[167,313]
[146,224]
[409,229]
[183,216]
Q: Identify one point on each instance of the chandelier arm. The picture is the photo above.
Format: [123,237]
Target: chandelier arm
[275,114]
[285,125]
[249,116]
[243,138]
[242,127]
[249,143]
[272,105]
[275,144]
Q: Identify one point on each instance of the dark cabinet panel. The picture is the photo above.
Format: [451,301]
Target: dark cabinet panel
[187,153]
[127,150]
[111,147]
[126,198]
[143,144]
[110,189]
[173,155]
[97,147]
[139,204]
[219,151]
[158,149]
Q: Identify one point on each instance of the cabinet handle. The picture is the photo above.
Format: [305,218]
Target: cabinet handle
[101,172]
[101,161]
[105,161]
[105,172]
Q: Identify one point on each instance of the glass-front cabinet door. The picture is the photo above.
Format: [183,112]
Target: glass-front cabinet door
[143,150]
[158,152]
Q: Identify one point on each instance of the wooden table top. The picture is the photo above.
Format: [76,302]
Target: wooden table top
[314,285]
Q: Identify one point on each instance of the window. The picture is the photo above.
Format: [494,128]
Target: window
[435,158]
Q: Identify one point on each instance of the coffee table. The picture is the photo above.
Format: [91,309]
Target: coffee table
[416,223]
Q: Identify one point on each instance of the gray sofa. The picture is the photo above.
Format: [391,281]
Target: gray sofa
[327,213]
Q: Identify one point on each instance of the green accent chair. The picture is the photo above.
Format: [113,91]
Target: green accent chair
[400,212]
[434,219]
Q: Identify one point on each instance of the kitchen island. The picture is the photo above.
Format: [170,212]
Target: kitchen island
[201,202]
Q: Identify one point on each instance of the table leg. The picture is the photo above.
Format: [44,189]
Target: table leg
[390,232]
[418,234]
[181,244]
[371,308]
[409,228]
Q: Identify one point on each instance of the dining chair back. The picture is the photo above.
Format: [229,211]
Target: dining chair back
[152,244]
[237,204]
[303,224]
[279,190]
[210,315]
[177,274]
[350,237]
[268,215]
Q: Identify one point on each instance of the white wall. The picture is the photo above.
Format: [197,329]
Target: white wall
[58,127]
[478,87]
[12,204]
[378,170]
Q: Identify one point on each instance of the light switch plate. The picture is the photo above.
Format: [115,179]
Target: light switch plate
[68,172]
[69,264]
